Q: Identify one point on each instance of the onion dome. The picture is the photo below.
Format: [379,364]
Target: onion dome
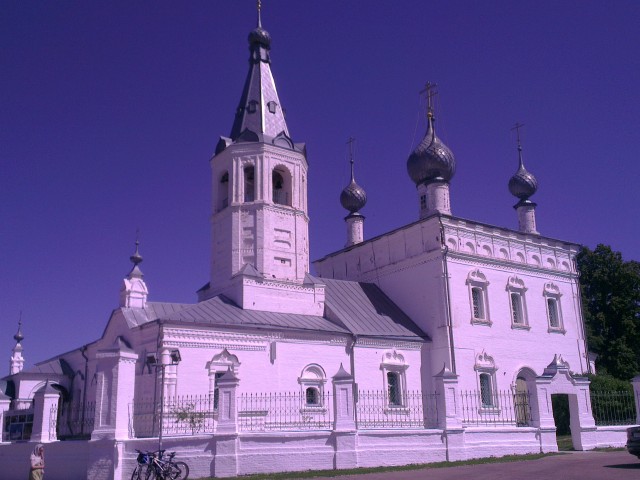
[522,184]
[18,337]
[431,160]
[136,259]
[353,197]
[260,36]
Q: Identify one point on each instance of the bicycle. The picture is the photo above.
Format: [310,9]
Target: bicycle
[152,466]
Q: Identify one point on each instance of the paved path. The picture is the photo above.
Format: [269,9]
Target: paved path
[618,465]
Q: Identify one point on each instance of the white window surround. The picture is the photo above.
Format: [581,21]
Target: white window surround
[478,297]
[393,364]
[220,364]
[486,370]
[551,294]
[312,378]
[517,304]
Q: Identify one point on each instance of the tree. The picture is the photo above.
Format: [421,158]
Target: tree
[611,302]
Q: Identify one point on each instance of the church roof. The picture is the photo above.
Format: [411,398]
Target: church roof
[365,310]
[350,307]
[220,310]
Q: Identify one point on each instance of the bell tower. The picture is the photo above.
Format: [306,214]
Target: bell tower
[259,215]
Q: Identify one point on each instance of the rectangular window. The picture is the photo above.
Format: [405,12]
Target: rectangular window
[423,202]
[486,394]
[478,304]
[516,309]
[552,307]
[393,387]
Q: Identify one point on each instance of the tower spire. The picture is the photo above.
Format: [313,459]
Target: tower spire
[16,363]
[259,8]
[134,289]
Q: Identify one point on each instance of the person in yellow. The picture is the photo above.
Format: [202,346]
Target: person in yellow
[37,463]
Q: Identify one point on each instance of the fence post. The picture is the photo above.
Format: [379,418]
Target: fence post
[43,402]
[449,415]
[115,375]
[5,403]
[226,438]
[636,394]
[344,428]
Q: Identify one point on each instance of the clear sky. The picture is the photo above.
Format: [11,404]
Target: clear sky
[110,111]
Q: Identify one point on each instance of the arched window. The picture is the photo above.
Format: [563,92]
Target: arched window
[249,184]
[281,186]
[312,382]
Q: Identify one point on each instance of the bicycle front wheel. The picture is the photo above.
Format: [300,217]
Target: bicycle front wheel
[178,471]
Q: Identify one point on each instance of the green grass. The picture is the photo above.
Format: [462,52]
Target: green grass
[564,443]
[359,471]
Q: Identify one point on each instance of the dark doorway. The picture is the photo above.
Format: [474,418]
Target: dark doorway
[562,419]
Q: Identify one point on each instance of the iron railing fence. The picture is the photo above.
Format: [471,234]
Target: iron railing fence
[495,408]
[181,415]
[73,420]
[410,409]
[263,412]
[613,408]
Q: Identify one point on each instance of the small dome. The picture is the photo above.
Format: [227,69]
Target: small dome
[523,184]
[261,36]
[431,159]
[353,197]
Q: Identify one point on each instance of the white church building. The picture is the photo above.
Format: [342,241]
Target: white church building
[444,339]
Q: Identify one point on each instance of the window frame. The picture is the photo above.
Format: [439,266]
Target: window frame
[517,303]
[485,367]
[551,293]
[313,377]
[477,281]
[393,363]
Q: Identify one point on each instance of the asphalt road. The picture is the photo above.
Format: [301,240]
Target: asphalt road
[618,465]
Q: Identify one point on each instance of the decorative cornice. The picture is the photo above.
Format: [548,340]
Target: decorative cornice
[380,342]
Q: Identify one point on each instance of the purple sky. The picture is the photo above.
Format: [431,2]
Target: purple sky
[110,111]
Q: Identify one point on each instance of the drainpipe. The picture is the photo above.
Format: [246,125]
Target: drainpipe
[352,360]
[581,312]
[83,351]
[447,296]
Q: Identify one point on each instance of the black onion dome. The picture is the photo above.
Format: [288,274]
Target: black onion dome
[523,184]
[353,197]
[431,159]
[261,36]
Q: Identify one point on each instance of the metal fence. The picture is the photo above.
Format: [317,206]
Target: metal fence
[73,420]
[265,412]
[495,408]
[412,409]
[613,408]
[181,415]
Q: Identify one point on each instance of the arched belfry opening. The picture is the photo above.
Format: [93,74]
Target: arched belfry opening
[249,184]
[223,191]
[281,186]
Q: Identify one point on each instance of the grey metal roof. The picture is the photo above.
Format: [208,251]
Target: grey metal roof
[222,311]
[365,310]
[351,307]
